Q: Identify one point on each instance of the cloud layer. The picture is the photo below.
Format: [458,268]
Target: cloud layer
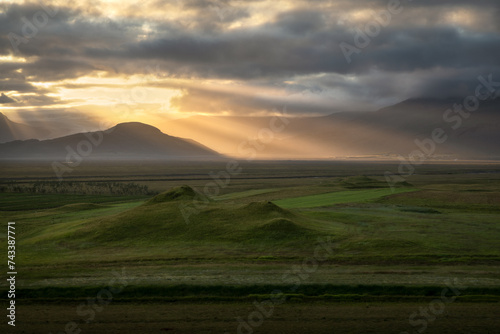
[246,57]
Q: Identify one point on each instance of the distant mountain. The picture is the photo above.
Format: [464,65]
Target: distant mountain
[395,130]
[10,131]
[385,133]
[126,141]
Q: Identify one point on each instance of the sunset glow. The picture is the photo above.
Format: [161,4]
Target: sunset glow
[155,61]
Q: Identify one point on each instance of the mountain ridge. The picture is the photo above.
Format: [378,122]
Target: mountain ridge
[10,131]
[132,140]
[387,132]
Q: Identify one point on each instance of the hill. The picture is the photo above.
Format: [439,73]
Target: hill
[10,131]
[160,222]
[126,141]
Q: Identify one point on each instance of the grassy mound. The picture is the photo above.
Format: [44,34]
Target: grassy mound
[362,182]
[161,221]
[281,225]
[177,194]
[265,209]
[280,228]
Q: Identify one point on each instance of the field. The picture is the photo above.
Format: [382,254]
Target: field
[293,317]
[346,252]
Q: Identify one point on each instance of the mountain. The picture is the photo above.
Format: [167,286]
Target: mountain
[385,133]
[126,141]
[10,131]
[397,129]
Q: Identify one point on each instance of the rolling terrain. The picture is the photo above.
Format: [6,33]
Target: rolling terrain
[361,214]
[190,260]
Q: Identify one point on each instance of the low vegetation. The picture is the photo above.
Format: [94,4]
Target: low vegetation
[386,246]
[76,188]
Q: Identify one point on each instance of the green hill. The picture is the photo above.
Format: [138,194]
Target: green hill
[177,194]
[160,222]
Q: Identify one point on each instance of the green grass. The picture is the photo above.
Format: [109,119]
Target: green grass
[23,201]
[477,201]
[445,226]
[360,224]
[243,194]
[338,197]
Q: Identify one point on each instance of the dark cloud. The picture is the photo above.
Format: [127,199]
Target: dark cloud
[431,48]
[8,70]
[300,43]
[53,69]
[213,15]
[17,85]
[5,99]
[301,22]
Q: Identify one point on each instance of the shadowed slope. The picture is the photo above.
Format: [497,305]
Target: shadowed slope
[183,193]
[10,131]
[126,141]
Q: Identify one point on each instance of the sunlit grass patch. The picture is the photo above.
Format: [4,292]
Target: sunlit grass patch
[338,197]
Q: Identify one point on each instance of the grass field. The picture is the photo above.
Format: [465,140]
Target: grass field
[350,196]
[397,249]
[22,201]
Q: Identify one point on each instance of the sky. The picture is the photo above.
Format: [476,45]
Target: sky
[85,63]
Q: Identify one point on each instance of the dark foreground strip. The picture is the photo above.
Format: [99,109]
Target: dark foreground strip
[229,293]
